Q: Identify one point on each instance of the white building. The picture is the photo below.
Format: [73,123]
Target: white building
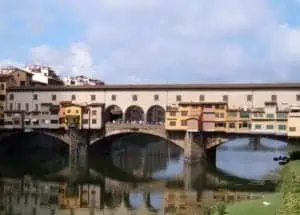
[80,81]
[43,75]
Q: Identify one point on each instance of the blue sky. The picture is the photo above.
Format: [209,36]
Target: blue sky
[154,41]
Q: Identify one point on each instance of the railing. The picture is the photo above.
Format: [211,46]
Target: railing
[145,126]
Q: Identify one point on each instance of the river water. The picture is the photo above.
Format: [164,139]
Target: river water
[134,174]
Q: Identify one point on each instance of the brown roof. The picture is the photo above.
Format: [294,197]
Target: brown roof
[244,86]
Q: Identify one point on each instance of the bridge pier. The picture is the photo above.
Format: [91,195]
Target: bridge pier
[194,150]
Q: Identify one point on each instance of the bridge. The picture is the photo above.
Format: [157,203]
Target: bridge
[195,144]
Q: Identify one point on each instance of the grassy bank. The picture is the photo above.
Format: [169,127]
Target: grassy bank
[285,202]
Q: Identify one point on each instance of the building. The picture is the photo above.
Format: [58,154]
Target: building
[294,122]
[43,75]
[80,80]
[6,81]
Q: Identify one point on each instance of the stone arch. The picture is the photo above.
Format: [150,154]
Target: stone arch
[156,114]
[113,113]
[134,113]
[146,132]
[61,137]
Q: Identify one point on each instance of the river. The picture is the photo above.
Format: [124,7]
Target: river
[131,175]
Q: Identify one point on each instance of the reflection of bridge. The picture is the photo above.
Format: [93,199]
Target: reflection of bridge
[43,197]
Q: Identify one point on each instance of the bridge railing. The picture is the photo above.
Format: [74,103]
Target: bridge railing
[145,126]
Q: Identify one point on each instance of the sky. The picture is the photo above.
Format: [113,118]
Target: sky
[155,41]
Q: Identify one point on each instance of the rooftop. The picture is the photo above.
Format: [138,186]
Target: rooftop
[243,86]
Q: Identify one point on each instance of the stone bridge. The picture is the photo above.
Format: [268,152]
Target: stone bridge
[195,144]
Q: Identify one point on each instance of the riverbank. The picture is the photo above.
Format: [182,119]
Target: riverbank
[285,202]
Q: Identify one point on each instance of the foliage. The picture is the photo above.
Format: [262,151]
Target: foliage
[221,209]
[291,190]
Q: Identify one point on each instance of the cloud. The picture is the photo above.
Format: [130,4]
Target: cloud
[168,41]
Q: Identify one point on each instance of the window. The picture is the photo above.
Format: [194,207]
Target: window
[2,97]
[94,121]
[184,113]
[270,116]
[249,98]
[36,107]
[244,114]
[19,106]
[172,123]
[183,123]
[10,106]
[94,112]
[11,96]
[2,87]
[257,126]
[217,115]
[232,114]
[85,121]
[73,97]
[113,97]
[27,107]
[282,127]
[282,115]
[201,97]
[172,113]
[22,83]
[53,97]
[298,97]
[54,121]
[292,129]
[270,127]
[274,98]
[35,97]
[225,98]
[178,98]
[134,97]
[156,97]
[93,97]
[232,125]
[221,115]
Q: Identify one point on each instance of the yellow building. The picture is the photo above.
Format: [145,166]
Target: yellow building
[70,115]
[184,116]
[220,117]
[294,122]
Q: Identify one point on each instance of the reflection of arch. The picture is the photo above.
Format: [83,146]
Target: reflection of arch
[156,114]
[134,113]
[113,113]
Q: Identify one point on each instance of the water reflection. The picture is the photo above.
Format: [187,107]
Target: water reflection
[135,178]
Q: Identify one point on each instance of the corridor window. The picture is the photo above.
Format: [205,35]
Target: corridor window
[19,106]
[249,98]
[183,122]
[85,121]
[156,97]
[232,125]
[225,98]
[113,97]
[27,107]
[53,97]
[2,87]
[270,127]
[35,97]
[282,127]
[73,97]
[36,107]
[270,116]
[134,97]
[94,112]
[11,96]
[10,106]
[94,121]
[178,98]
[274,98]
[298,97]
[201,98]
[93,97]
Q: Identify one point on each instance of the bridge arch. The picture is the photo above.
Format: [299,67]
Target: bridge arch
[178,143]
[156,114]
[113,113]
[134,113]
[56,135]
